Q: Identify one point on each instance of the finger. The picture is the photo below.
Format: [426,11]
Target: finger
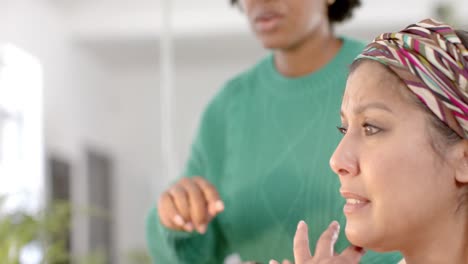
[180,198]
[168,214]
[352,254]
[198,205]
[285,261]
[189,227]
[273,262]
[326,243]
[215,204]
[301,244]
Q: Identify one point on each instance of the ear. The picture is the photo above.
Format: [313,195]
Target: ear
[460,159]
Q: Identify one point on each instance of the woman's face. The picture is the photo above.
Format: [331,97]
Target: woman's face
[283,24]
[396,185]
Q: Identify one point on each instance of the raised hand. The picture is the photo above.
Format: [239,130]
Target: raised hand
[189,205]
[324,251]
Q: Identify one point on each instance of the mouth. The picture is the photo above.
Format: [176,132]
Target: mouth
[267,21]
[355,203]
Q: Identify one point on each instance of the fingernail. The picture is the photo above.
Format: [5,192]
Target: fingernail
[335,226]
[300,223]
[179,220]
[336,230]
[219,206]
[272,262]
[202,229]
[188,227]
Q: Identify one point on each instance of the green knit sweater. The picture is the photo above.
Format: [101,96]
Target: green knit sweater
[265,142]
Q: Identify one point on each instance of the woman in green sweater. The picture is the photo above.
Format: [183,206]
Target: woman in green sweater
[259,162]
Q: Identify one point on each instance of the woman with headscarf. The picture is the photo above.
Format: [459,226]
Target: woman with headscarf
[403,159]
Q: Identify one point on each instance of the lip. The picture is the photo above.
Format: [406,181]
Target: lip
[355,203]
[267,21]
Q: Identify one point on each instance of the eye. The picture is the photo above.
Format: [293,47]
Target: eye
[370,130]
[342,129]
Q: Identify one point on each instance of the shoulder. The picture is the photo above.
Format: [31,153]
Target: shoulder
[242,84]
[353,43]
[352,46]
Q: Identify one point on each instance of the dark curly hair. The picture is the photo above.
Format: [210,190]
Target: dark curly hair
[339,11]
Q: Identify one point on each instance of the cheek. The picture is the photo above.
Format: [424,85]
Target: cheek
[401,177]
[307,17]
[317,15]
[389,168]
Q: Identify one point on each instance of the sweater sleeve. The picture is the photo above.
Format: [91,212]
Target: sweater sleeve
[206,159]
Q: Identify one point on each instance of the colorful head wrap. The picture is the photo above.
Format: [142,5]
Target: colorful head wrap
[433,62]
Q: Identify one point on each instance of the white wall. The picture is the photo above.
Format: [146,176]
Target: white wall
[70,82]
[138,153]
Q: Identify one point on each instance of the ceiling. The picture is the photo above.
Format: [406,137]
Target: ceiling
[132,27]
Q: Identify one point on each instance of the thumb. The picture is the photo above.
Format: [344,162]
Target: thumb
[326,243]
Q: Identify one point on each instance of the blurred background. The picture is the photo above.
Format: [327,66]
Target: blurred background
[100,99]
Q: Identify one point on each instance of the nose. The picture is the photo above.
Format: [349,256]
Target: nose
[344,161]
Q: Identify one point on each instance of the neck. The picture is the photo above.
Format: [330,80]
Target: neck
[445,243]
[309,55]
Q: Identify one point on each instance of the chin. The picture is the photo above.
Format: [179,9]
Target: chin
[273,42]
[355,237]
[359,234]
[362,235]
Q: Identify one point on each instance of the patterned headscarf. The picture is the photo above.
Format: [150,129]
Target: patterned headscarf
[433,62]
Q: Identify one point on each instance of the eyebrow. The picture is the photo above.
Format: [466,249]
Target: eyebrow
[376,105]
[381,106]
